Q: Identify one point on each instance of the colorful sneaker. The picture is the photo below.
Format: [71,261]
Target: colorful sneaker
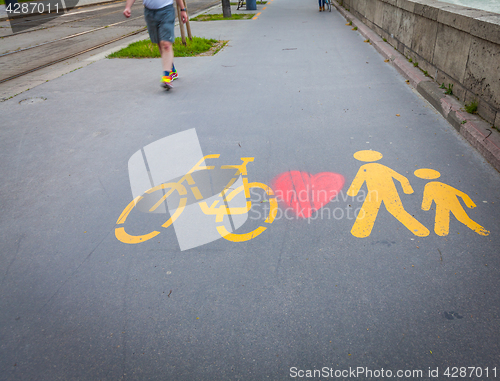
[174,74]
[166,82]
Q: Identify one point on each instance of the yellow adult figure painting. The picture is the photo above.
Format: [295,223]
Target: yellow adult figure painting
[381,188]
[446,200]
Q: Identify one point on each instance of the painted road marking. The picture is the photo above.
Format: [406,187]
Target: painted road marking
[306,193]
[235,203]
[446,199]
[379,180]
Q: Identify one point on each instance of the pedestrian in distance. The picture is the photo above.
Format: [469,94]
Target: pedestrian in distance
[160,19]
[321,5]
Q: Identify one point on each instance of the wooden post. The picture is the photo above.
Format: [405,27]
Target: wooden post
[188,26]
[181,26]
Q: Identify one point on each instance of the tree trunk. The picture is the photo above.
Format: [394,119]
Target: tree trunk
[226,8]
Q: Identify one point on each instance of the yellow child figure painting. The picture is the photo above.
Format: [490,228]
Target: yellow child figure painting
[381,188]
[446,199]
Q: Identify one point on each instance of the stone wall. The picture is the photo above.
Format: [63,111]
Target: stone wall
[453,44]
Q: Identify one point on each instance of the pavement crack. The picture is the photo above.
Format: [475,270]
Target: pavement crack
[104,189]
[14,258]
[76,270]
[282,248]
[488,134]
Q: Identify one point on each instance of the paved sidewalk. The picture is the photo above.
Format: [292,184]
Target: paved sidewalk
[297,90]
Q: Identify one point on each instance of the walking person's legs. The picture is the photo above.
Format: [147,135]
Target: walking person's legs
[160,24]
[167,56]
[161,31]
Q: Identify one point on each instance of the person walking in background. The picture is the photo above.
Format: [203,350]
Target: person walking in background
[160,19]
[321,5]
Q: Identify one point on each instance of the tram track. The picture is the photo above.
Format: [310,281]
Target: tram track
[35,51]
[22,19]
[63,23]
[71,56]
[68,37]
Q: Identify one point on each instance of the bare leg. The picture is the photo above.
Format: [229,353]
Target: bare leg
[167,55]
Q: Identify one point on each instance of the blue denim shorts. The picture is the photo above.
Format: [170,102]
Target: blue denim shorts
[160,23]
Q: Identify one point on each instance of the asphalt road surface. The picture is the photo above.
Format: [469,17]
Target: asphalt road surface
[383,252]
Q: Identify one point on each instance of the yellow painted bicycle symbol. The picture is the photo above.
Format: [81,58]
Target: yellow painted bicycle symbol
[217,209]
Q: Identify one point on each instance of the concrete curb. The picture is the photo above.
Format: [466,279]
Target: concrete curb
[81,3]
[474,129]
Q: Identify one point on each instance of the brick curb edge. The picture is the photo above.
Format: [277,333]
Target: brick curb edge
[475,130]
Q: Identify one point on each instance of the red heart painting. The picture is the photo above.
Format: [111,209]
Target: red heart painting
[304,192]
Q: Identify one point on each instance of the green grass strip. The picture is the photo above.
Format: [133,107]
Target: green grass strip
[217,17]
[146,49]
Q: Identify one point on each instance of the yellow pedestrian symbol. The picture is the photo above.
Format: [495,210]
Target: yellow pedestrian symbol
[381,188]
[446,199]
